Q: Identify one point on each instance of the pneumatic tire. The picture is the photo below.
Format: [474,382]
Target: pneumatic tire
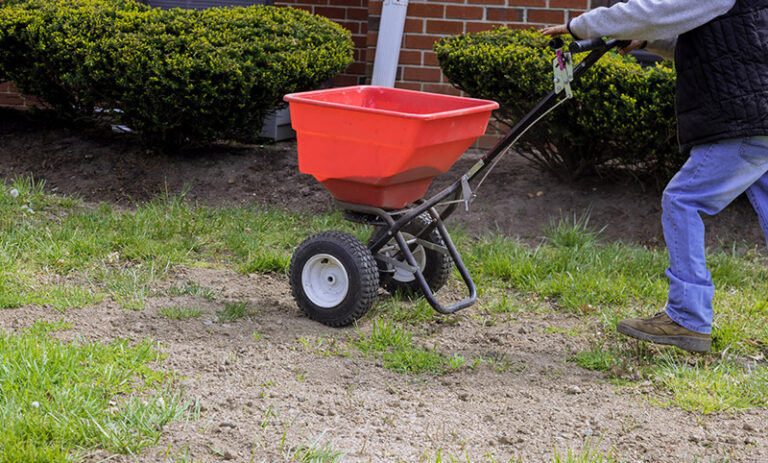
[334,278]
[434,265]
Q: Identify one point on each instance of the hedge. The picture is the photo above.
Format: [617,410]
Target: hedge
[176,76]
[621,114]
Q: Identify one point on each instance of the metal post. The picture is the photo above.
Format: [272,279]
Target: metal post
[388,45]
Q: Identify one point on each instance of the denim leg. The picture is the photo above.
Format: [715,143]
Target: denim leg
[758,196]
[714,175]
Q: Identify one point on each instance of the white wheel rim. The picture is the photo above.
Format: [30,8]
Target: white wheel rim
[325,281]
[419,254]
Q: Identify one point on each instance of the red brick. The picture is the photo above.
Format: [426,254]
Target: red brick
[370,54]
[420,42]
[546,16]
[568,4]
[331,12]
[342,80]
[410,57]
[422,74]
[541,3]
[360,14]
[504,14]
[408,85]
[414,25]
[349,3]
[519,26]
[374,7]
[355,68]
[445,89]
[425,10]
[360,41]
[430,59]
[464,12]
[437,26]
[481,26]
[487,2]
[352,26]
[11,99]
[371,38]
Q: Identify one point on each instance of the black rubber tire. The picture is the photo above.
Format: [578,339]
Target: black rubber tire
[361,271]
[437,266]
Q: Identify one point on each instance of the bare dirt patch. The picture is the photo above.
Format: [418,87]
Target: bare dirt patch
[296,381]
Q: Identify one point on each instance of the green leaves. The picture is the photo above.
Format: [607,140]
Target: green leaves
[178,77]
[621,114]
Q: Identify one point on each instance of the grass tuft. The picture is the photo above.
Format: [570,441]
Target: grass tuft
[395,346]
[57,397]
[234,311]
[180,313]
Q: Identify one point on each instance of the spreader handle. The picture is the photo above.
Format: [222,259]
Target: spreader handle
[580,46]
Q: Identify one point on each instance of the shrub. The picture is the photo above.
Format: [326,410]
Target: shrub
[621,114]
[177,76]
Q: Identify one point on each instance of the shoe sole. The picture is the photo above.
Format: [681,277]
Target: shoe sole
[689,343]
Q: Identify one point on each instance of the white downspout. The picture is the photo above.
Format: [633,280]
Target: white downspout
[388,44]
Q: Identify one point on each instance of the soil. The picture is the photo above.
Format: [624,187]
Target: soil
[301,383]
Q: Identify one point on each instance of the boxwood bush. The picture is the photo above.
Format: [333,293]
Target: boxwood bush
[621,114]
[176,76]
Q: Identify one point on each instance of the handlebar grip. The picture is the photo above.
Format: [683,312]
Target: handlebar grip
[619,43]
[556,43]
[580,46]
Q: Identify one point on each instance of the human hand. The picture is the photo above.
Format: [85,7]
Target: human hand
[633,45]
[555,30]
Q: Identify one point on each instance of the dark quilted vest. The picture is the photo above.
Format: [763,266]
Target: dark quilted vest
[722,76]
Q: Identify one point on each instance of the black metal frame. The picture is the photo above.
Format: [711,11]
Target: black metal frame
[394,221]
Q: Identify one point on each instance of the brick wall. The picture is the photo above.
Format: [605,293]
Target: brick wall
[427,21]
[9,97]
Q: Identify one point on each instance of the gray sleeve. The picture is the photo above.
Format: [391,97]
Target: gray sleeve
[647,19]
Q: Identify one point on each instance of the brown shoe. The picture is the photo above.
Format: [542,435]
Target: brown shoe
[660,329]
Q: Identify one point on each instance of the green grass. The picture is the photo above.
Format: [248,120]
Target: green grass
[316,453]
[587,454]
[234,311]
[107,253]
[193,288]
[180,313]
[395,346]
[55,251]
[59,400]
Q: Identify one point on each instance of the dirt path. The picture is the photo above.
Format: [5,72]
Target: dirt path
[301,381]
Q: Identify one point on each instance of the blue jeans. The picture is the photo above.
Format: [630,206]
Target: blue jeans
[714,175]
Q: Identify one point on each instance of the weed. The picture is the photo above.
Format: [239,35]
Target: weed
[234,311]
[395,347]
[180,313]
[193,288]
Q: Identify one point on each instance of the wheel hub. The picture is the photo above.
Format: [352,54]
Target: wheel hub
[325,280]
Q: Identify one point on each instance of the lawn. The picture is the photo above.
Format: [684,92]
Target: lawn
[62,399]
